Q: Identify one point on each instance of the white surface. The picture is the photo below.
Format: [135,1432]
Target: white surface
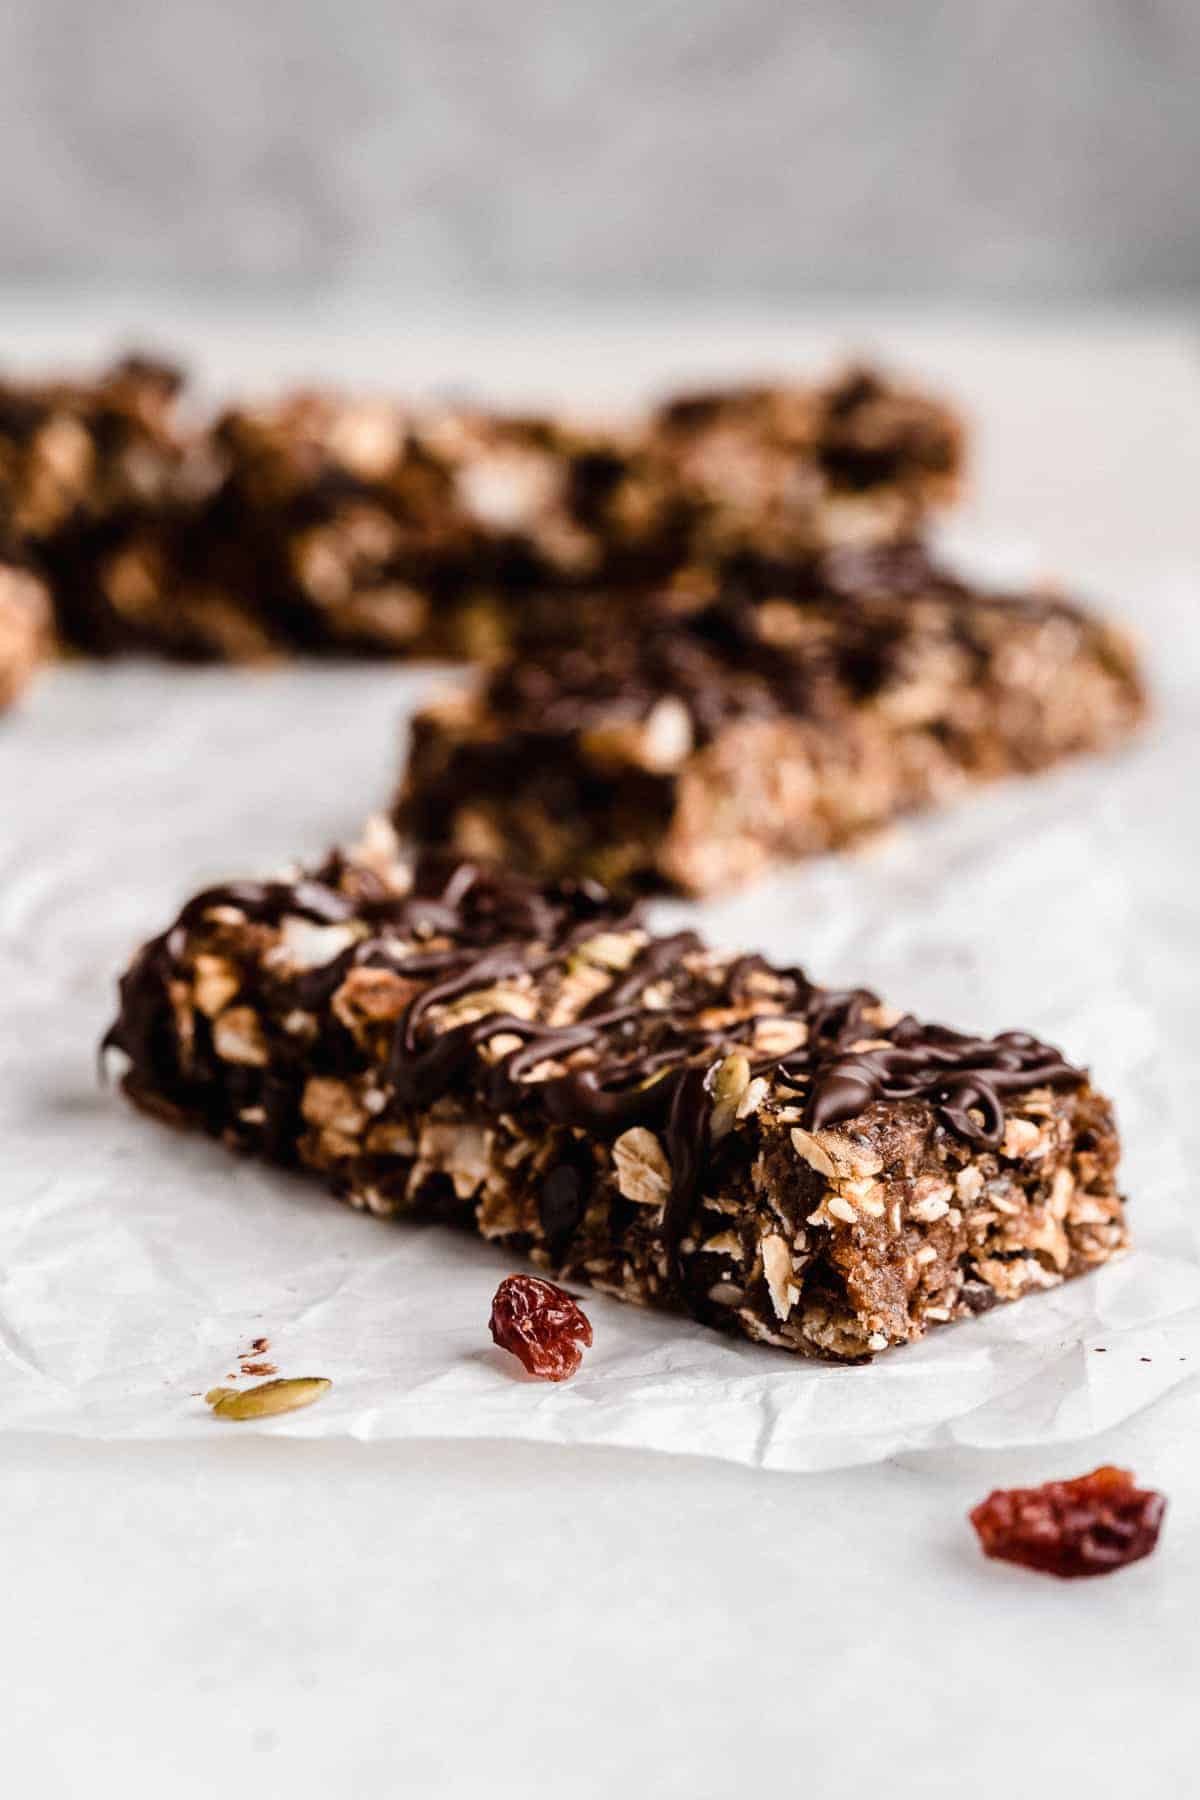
[291,1618]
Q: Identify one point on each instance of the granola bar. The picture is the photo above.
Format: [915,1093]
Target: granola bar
[670,1124]
[802,706]
[374,528]
[326,524]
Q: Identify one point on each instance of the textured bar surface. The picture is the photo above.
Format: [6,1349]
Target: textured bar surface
[691,743]
[677,1127]
[329,524]
[92,477]
[785,470]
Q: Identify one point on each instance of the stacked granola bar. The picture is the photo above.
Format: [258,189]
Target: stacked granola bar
[714,638]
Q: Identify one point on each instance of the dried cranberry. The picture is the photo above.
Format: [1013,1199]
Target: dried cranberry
[1088,1526]
[541,1325]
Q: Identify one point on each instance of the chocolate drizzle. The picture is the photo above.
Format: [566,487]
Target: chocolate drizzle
[963,1078]
[658,959]
[462,927]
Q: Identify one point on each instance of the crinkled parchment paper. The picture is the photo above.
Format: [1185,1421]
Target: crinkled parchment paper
[135,1263]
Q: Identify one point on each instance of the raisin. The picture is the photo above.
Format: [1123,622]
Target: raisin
[541,1325]
[1089,1526]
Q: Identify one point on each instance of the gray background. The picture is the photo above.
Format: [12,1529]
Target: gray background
[508,147]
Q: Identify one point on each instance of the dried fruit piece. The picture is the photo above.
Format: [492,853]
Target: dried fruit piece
[541,1325]
[268,1398]
[1089,1526]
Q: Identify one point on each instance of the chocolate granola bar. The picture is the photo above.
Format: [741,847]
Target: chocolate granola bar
[368,527]
[327,524]
[670,1124]
[805,704]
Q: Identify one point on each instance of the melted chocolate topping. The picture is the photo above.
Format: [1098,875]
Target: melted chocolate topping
[645,1065]
[959,1075]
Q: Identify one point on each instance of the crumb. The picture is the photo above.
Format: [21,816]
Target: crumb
[251,1361]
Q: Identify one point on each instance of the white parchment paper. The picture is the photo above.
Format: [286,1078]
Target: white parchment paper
[135,1263]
